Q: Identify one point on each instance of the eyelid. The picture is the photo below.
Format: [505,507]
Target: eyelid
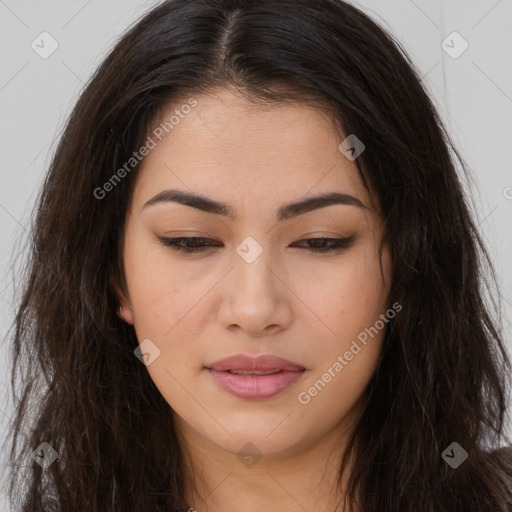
[205,245]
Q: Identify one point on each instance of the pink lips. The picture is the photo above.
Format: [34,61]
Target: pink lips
[241,375]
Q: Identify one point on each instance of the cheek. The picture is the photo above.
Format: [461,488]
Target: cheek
[344,294]
[161,294]
[331,394]
[346,297]
[348,358]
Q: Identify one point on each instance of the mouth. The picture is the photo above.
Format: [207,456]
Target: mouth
[255,377]
[255,385]
[254,364]
[252,373]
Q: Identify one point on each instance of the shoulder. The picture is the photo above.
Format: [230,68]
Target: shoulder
[501,459]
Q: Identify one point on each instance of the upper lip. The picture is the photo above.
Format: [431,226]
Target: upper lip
[263,362]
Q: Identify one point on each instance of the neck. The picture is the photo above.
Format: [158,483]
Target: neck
[304,478]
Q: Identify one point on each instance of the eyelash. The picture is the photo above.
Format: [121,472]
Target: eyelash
[337,244]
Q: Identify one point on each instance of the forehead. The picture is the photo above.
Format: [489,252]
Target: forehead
[232,149]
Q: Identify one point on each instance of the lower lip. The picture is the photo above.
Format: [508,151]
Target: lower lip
[255,387]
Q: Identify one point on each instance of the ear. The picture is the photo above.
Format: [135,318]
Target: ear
[125,311]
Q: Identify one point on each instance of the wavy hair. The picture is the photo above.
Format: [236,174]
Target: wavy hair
[442,373]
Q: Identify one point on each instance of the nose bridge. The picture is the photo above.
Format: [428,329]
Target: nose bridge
[256,298]
[253,264]
[255,302]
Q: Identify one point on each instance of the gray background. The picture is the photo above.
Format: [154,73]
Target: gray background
[472,92]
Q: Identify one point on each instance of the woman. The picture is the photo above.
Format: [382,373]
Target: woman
[255,281]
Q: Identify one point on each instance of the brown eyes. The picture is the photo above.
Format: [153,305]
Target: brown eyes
[191,245]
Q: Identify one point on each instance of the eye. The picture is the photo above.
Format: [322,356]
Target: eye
[197,244]
[322,245]
[188,244]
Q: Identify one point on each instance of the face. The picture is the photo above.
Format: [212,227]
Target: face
[261,280]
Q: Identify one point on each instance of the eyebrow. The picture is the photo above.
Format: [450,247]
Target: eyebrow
[286,211]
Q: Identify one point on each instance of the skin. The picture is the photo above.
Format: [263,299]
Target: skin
[291,302]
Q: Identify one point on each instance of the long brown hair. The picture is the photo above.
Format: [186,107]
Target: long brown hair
[441,377]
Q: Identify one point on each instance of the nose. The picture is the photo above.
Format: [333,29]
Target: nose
[255,296]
